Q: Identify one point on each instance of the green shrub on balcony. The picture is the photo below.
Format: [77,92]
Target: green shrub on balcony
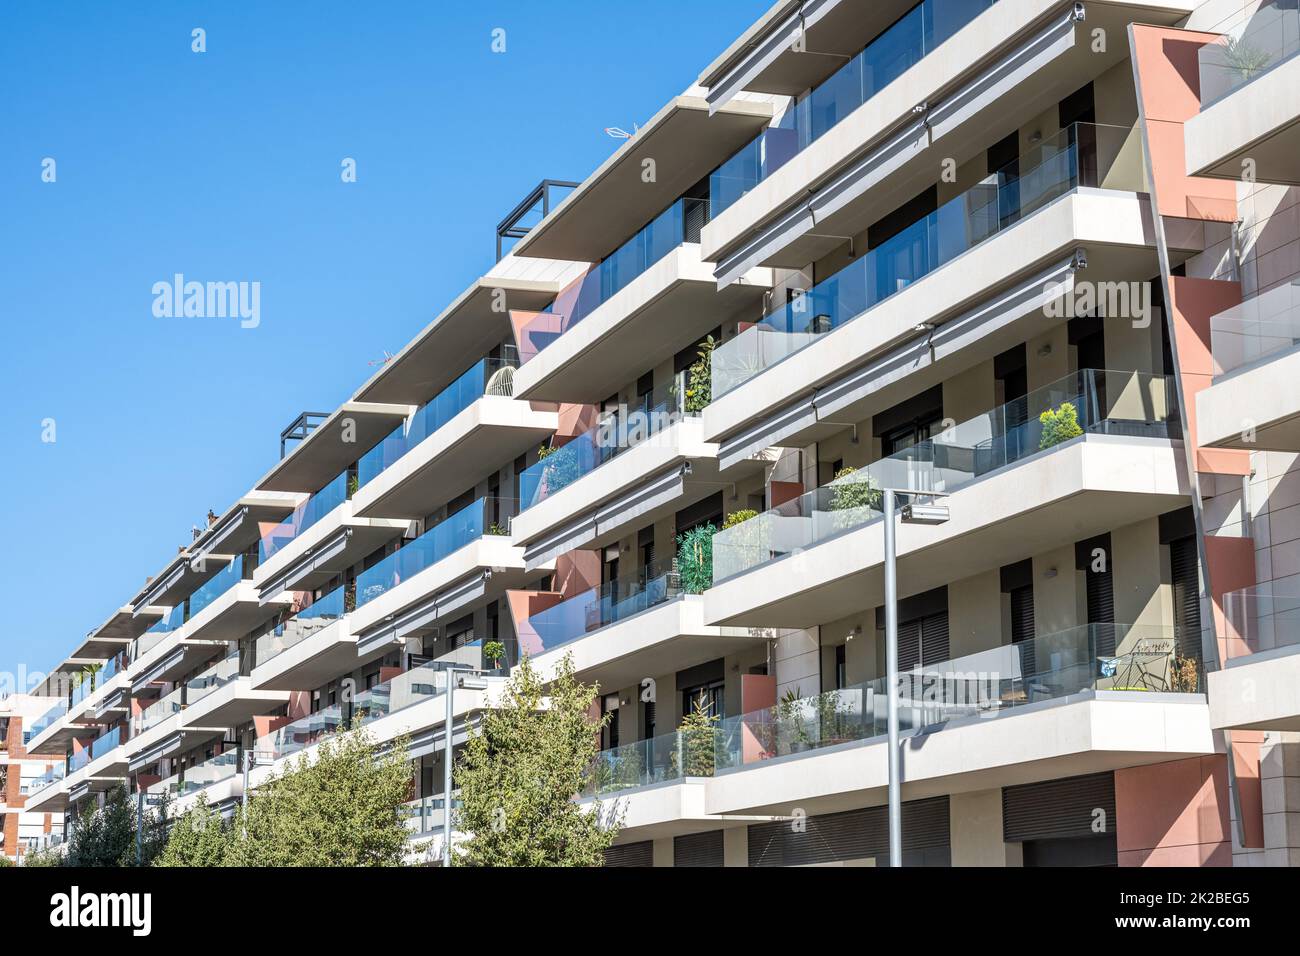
[695,558]
[1059,425]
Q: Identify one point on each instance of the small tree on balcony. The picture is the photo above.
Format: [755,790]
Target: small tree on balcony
[520,771]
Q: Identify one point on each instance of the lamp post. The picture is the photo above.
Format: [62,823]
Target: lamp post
[912,514]
[471,679]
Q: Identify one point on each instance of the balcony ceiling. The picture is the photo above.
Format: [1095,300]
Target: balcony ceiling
[116,633]
[237,529]
[466,330]
[613,203]
[322,455]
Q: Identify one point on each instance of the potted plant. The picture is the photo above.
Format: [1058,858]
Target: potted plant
[695,558]
[494,652]
[1059,424]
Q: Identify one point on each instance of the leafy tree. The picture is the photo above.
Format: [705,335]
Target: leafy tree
[520,771]
[700,742]
[198,838]
[699,379]
[1059,425]
[105,835]
[847,493]
[5,861]
[339,809]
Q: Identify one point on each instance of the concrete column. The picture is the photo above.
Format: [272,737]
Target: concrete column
[1280,777]
[975,822]
[663,852]
[735,846]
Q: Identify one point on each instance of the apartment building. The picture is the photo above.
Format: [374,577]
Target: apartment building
[22,830]
[998,256]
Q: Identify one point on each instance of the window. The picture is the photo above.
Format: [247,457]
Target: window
[708,697]
[841,667]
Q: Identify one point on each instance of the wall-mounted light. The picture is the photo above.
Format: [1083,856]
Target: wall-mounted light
[1050,573]
[1044,350]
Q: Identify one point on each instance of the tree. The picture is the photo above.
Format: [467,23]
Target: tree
[198,838]
[520,771]
[105,835]
[338,809]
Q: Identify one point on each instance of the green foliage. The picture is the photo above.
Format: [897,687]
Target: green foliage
[494,651]
[695,558]
[339,809]
[42,858]
[560,469]
[1059,425]
[498,531]
[105,836]
[699,379]
[849,494]
[738,517]
[5,861]
[354,485]
[198,838]
[699,742]
[520,771]
[1245,59]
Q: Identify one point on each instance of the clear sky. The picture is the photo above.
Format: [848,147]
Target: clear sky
[225,166]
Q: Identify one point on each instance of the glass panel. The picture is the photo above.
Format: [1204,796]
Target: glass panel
[614,433]
[46,719]
[1080,155]
[405,690]
[160,710]
[599,607]
[214,678]
[223,766]
[1261,618]
[317,616]
[1265,324]
[302,733]
[1122,403]
[216,586]
[1253,41]
[904,43]
[304,516]
[484,377]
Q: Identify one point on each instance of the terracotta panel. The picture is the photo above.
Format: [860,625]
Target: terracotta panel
[1179,809]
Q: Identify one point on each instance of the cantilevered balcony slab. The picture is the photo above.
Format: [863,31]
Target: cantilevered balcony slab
[1259,123]
[663,474]
[353,429]
[462,452]
[238,529]
[1087,733]
[232,704]
[465,579]
[175,735]
[997,287]
[321,656]
[53,740]
[472,325]
[1081,488]
[336,541]
[115,634]
[642,325]
[103,699]
[1256,407]
[686,144]
[662,639]
[54,797]
[1260,691]
[184,575]
[1018,58]
[671,809]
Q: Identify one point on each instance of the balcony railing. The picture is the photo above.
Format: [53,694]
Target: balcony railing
[614,433]
[106,743]
[600,607]
[48,779]
[216,586]
[317,616]
[163,709]
[304,516]
[1264,325]
[679,223]
[1254,40]
[1088,401]
[172,621]
[217,676]
[1265,617]
[212,771]
[906,42]
[1092,657]
[42,723]
[1083,154]
[487,516]
[485,377]
[424,814]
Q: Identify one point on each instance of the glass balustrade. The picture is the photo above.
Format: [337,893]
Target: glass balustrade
[214,587]
[679,223]
[911,38]
[317,616]
[1262,326]
[159,711]
[1088,401]
[1092,657]
[424,814]
[213,679]
[46,720]
[1253,40]
[304,516]
[487,516]
[1264,617]
[300,734]
[405,690]
[486,377]
[599,607]
[614,433]
[214,770]
[1083,154]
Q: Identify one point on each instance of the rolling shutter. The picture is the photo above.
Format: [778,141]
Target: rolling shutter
[1058,808]
[630,854]
[698,849]
[1184,564]
[855,835]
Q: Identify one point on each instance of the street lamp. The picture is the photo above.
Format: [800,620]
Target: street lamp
[912,514]
[471,679]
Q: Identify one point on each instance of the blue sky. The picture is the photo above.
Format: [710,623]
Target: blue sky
[225,165]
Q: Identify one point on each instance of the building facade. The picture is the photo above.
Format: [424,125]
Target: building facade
[21,829]
[1030,263]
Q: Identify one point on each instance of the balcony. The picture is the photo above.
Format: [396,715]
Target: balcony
[333,445]
[221,697]
[1083,700]
[456,439]
[1020,482]
[631,466]
[1019,58]
[685,142]
[617,633]
[904,43]
[457,565]
[1259,686]
[218,777]
[1254,402]
[313,646]
[104,761]
[1248,77]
